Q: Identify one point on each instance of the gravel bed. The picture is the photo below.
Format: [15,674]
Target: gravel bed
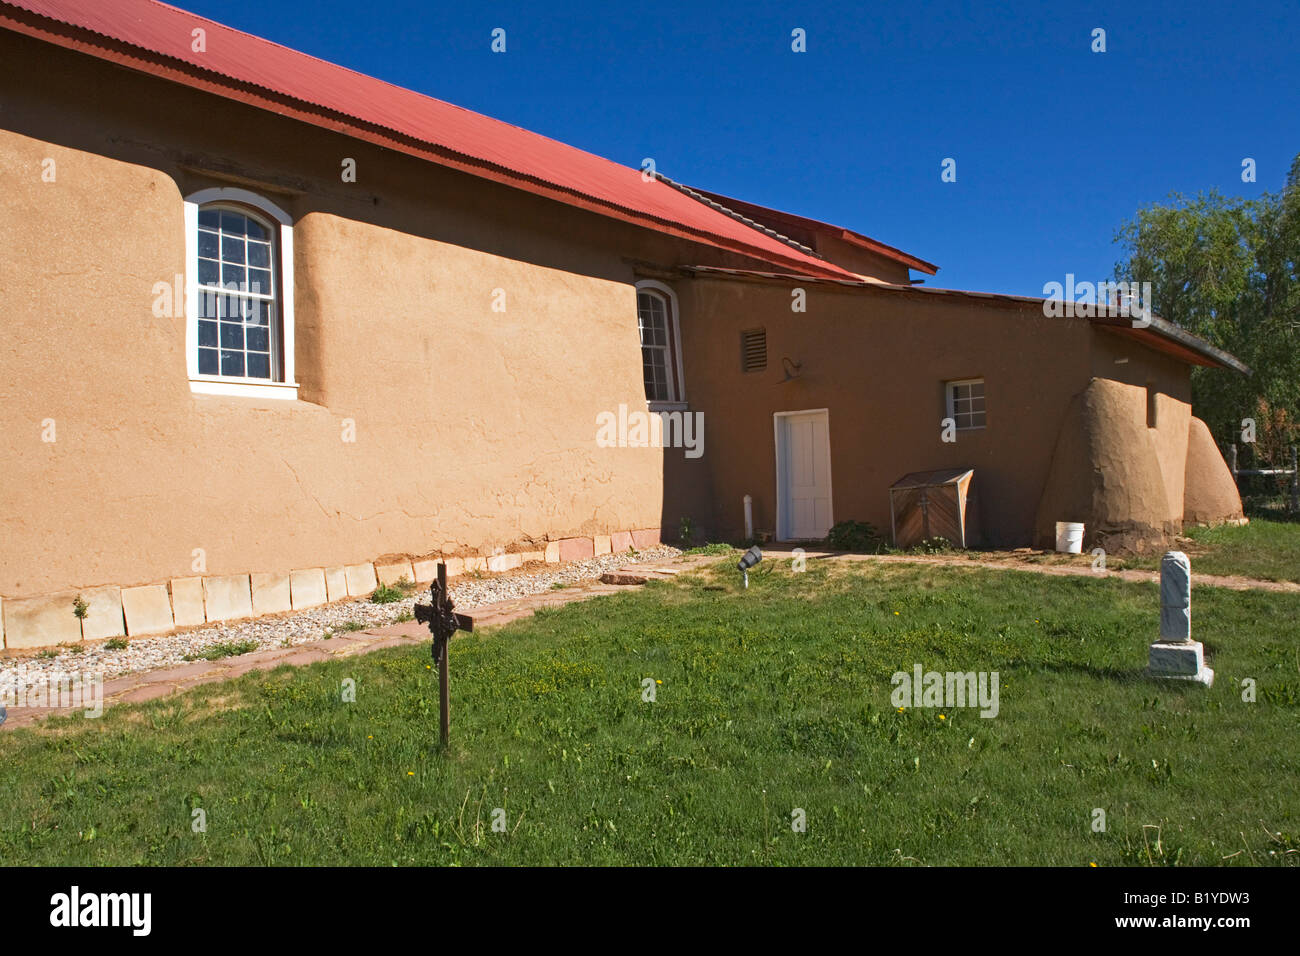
[304,627]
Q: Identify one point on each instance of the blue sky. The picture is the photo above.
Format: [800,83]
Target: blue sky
[1055,145]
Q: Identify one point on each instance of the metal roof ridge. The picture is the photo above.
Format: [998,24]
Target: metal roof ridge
[713,204]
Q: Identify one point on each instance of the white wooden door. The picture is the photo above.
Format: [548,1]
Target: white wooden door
[803,462]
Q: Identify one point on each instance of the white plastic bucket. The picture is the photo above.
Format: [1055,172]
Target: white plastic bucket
[1069,537]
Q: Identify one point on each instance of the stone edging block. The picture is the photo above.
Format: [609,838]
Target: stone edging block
[361,579]
[147,610]
[227,597]
[41,621]
[187,601]
[390,574]
[271,592]
[307,588]
[577,549]
[336,584]
[103,614]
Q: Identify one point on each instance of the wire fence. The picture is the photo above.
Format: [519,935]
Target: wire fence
[1268,490]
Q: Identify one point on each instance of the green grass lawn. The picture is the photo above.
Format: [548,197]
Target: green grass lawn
[772,699]
[1265,549]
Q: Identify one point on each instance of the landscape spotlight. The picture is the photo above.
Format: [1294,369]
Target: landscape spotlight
[748,560]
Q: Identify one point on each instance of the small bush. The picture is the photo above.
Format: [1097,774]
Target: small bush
[715,547]
[225,649]
[687,530]
[384,594]
[935,545]
[117,644]
[404,617]
[855,536]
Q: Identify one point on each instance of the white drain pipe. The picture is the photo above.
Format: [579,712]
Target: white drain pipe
[749,517]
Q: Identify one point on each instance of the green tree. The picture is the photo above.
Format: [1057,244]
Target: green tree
[1228,270]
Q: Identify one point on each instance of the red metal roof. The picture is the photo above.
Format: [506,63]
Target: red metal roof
[157,38]
[791,223]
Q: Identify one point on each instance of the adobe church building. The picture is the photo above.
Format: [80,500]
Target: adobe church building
[276,330]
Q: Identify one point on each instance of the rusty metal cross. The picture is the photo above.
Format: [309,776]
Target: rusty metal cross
[443,621]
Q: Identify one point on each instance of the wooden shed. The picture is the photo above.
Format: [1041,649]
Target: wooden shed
[932,504]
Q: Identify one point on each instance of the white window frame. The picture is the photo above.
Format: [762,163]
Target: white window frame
[950,387]
[224,385]
[676,377]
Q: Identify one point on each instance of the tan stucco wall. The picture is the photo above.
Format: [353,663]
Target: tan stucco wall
[475,429]
[1169,381]
[1126,500]
[878,361]
[1211,495]
[1107,472]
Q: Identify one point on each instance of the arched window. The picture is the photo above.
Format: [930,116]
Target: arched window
[240,295]
[661,361]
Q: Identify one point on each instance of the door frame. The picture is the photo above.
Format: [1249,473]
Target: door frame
[781,516]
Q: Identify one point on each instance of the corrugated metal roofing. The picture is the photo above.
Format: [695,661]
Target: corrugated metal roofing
[788,219]
[166,32]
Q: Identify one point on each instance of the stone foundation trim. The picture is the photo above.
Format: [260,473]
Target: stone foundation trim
[48,620]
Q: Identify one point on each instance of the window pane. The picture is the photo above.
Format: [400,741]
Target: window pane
[232,335]
[233,277]
[232,363]
[259,365]
[257,340]
[259,254]
[232,223]
[208,244]
[259,281]
[208,362]
[209,218]
[259,313]
[208,272]
[256,230]
[208,334]
[232,249]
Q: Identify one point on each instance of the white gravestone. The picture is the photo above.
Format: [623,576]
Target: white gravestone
[1175,597]
[1176,655]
